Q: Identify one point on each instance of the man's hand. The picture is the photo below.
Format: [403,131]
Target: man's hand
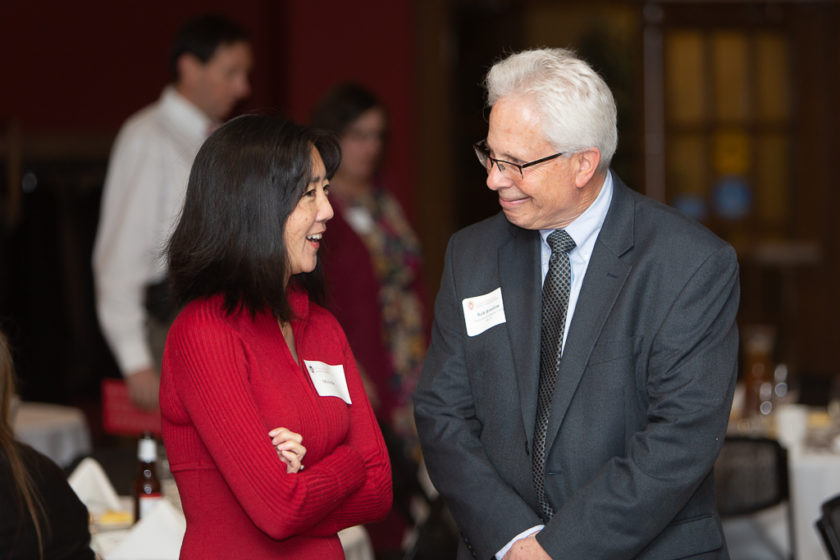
[527,549]
[143,388]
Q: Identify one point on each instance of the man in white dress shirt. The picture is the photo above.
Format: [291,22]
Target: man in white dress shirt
[144,190]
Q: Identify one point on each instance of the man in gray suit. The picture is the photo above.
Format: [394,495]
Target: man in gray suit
[576,392]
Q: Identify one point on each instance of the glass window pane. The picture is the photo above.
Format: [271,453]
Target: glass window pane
[731,151]
[772,69]
[773,177]
[687,174]
[687,164]
[685,77]
[730,60]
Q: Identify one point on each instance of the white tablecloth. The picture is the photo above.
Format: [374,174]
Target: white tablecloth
[356,543]
[814,478]
[59,432]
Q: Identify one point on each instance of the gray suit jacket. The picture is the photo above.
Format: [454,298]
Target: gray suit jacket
[641,404]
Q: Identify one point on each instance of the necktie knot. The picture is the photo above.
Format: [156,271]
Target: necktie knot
[560,242]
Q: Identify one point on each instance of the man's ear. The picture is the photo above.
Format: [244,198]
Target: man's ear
[585,165]
[189,67]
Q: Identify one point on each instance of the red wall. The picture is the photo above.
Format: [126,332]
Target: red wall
[370,42]
[87,65]
[84,66]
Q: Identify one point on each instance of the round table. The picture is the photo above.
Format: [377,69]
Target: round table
[59,432]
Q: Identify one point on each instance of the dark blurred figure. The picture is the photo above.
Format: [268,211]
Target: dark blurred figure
[41,518]
[371,261]
[210,60]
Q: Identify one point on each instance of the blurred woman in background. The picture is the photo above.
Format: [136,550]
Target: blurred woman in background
[372,258]
[371,263]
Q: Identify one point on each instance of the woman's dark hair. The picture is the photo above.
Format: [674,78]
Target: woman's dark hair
[245,181]
[342,105]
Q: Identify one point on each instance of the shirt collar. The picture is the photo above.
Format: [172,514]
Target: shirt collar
[585,228]
[184,114]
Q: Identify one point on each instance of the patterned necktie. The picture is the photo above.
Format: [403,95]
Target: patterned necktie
[555,300]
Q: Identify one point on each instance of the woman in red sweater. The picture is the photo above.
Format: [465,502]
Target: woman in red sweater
[267,428]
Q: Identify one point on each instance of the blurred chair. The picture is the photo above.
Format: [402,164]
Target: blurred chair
[828,526]
[751,475]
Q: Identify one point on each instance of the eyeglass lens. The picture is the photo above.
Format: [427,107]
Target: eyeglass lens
[509,170]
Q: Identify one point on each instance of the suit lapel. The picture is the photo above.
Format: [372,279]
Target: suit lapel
[605,276]
[519,273]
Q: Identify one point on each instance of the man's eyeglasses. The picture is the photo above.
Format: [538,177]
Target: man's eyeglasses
[506,168]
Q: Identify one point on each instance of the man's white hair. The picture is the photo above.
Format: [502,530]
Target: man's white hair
[577,108]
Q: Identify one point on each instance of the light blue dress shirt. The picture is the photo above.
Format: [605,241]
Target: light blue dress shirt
[584,231]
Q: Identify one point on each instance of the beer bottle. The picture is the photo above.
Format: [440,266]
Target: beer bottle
[146,491]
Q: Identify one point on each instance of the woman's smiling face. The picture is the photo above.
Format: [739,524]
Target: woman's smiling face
[307,222]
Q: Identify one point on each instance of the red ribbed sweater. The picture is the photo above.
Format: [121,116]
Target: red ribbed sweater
[225,382]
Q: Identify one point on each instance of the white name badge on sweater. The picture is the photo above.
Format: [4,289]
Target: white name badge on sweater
[483,312]
[329,380]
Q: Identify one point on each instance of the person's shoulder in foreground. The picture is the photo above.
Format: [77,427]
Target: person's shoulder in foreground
[65,520]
